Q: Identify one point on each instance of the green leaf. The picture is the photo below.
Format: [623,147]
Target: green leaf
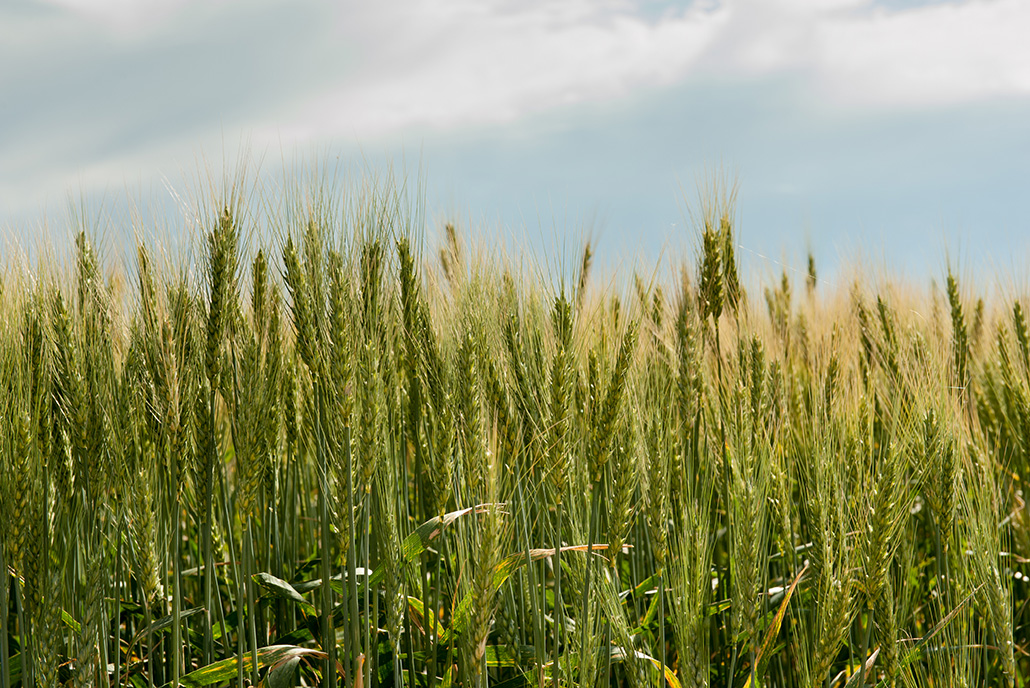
[502,571]
[853,680]
[448,677]
[645,586]
[914,653]
[649,616]
[70,622]
[282,675]
[277,587]
[15,668]
[618,654]
[335,581]
[518,681]
[226,669]
[417,614]
[161,624]
[503,656]
[417,542]
[764,653]
[303,634]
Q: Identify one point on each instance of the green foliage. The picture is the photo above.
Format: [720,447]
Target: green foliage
[349,464]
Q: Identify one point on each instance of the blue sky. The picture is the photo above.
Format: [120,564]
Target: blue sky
[898,131]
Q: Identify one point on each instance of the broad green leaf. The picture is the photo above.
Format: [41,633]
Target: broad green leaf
[280,588]
[226,669]
[336,582]
[282,675]
[416,543]
[417,613]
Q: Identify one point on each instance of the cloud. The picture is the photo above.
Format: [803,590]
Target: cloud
[91,84]
[98,82]
[435,64]
[444,64]
[82,99]
[939,54]
[857,52]
[123,16]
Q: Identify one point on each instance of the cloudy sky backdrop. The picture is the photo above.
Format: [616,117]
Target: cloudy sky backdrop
[894,129]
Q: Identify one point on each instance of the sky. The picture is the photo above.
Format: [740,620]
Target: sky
[894,132]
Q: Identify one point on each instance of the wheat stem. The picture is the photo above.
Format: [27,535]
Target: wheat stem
[5,577]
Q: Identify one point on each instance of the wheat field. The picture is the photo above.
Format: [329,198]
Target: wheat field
[334,452]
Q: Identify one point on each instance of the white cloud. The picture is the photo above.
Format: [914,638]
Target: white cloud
[139,78]
[446,64]
[857,52]
[946,53]
[122,15]
[441,64]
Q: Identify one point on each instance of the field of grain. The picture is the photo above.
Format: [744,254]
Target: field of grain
[348,455]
